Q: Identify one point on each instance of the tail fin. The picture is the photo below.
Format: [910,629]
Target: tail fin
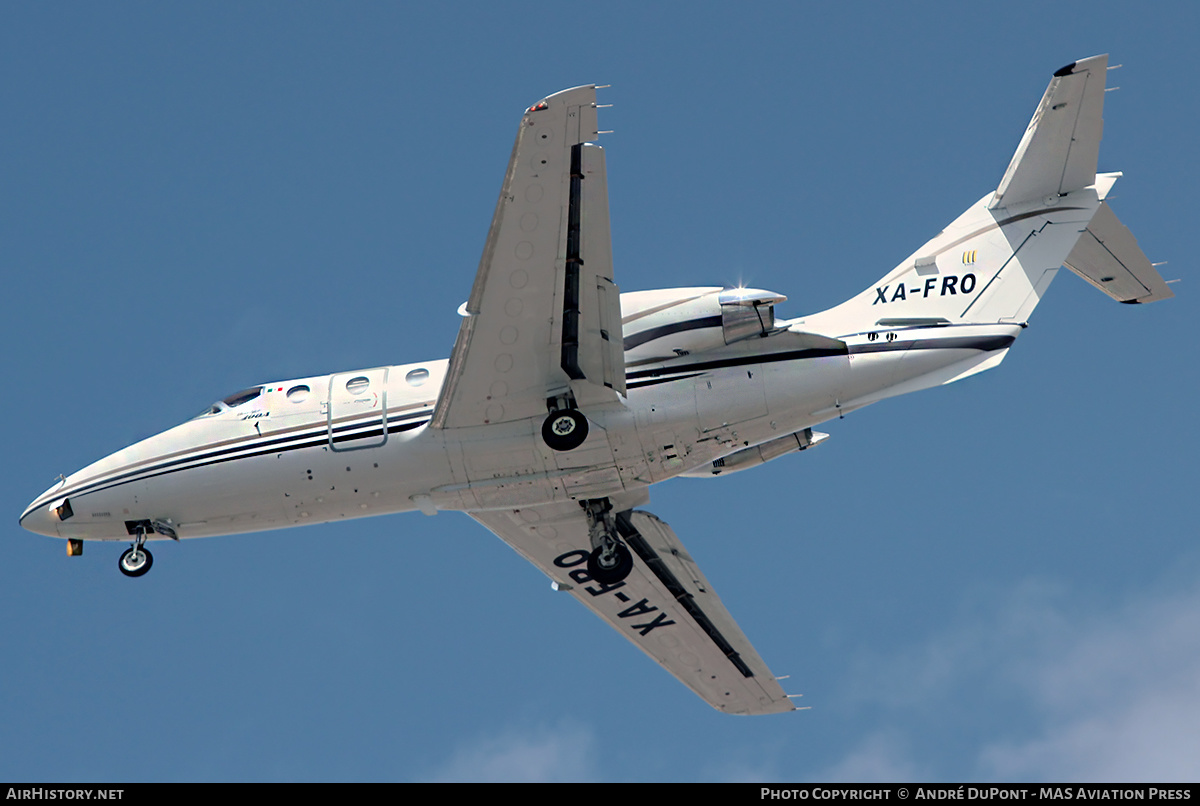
[994,262]
[1058,153]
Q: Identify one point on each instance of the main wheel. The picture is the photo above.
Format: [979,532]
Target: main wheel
[135,561]
[612,569]
[565,430]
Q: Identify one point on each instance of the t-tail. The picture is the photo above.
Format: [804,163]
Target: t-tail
[956,305]
[995,261]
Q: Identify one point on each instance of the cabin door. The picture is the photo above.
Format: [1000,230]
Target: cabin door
[358,409]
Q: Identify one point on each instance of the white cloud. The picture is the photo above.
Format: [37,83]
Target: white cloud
[881,758]
[1120,697]
[565,752]
[1032,686]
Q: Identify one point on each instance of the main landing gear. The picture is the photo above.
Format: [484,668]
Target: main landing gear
[565,429]
[610,560]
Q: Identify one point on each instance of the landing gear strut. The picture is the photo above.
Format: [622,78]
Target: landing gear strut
[137,559]
[610,560]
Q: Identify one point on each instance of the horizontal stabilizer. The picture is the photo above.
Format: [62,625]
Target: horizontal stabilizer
[1108,256]
[1058,153]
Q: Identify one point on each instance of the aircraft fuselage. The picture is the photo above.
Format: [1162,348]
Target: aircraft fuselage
[356,443]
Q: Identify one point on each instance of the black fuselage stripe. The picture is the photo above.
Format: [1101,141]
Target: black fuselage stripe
[638,339]
[983,343]
[263,452]
[314,430]
[310,440]
[657,381]
[250,444]
[739,361]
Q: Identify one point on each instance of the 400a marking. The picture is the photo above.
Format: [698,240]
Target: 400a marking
[571,559]
[951,284]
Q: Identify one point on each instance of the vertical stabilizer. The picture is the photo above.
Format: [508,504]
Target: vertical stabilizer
[1058,153]
[993,264]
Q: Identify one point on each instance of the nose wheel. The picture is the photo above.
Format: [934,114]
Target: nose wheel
[137,559]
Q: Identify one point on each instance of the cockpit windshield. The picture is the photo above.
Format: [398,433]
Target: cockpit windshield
[244,396]
[231,402]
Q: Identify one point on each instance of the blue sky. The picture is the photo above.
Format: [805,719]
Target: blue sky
[995,580]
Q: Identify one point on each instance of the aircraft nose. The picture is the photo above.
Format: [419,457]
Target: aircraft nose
[41,518]
[41,521]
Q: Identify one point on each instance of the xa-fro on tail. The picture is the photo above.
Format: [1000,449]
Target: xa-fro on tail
[994,262]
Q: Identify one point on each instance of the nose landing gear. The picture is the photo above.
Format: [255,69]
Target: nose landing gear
[136,560]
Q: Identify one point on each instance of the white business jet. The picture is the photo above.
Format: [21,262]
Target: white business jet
[564,400]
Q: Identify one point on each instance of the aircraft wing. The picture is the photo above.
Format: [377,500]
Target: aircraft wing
[543,306]
[665,606]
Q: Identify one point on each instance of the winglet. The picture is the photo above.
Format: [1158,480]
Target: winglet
[1058,153]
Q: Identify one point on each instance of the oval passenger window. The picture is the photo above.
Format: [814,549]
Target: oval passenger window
[298,394]
[356,386]
[417,377]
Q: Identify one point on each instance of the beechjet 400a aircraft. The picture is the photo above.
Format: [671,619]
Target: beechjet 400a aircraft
[564,400]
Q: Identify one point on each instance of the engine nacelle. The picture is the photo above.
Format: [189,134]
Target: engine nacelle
[671,322]
[758,454]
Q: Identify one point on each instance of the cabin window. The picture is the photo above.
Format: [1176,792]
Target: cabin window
[358,385]
[298,394]
[417,377]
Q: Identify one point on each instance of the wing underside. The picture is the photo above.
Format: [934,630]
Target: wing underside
[543,305]
[665,606]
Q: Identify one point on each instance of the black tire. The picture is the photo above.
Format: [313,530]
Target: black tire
[615,571]
[565,430]
[130,568]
